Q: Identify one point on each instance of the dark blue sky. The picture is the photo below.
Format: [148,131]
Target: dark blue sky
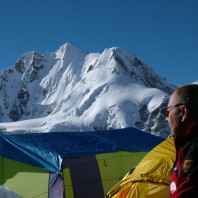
[162,33]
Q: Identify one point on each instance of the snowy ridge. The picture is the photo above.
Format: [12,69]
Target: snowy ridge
[71,90]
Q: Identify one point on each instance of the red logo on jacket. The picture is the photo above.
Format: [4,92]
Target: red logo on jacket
[187,165]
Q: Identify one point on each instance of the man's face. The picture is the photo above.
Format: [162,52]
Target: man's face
[174,118]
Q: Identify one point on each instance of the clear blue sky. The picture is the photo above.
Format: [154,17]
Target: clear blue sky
[164,33]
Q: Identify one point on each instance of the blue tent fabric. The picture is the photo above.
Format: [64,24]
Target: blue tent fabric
[47,150]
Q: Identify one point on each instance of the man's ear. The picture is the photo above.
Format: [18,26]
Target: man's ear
[184,113]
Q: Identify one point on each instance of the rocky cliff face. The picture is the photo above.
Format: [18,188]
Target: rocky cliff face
[72,90]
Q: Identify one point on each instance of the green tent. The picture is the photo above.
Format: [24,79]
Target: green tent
[70,164]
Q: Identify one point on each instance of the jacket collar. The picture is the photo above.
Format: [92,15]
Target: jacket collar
[192,132]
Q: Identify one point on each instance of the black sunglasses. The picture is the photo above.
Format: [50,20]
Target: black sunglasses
[166,112]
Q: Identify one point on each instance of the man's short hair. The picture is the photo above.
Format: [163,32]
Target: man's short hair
[188,95]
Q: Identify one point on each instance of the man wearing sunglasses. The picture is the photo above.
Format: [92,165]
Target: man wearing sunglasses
[182,117]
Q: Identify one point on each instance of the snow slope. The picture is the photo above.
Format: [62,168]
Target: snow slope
[72,90]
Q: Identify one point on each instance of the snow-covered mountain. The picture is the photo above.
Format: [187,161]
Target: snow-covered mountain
[71,90]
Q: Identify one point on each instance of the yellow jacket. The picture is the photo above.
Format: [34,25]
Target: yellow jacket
[150,178]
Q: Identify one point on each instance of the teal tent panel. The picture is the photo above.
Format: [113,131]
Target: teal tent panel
[47,150]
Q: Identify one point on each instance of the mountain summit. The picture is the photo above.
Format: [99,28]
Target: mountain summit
[71,90]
